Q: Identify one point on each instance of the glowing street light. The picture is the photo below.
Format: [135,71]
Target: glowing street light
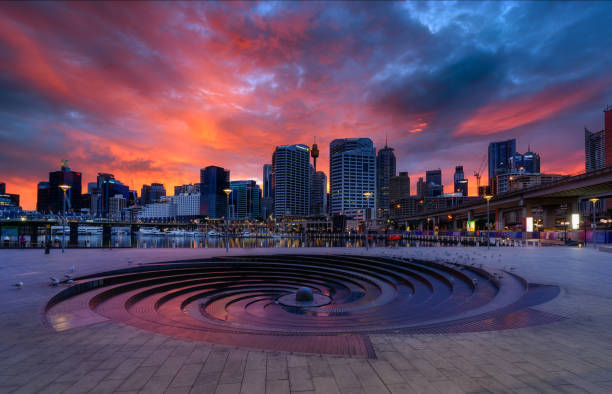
[488,198]
[64,188]
[594,225]
[367,195]
[227,193]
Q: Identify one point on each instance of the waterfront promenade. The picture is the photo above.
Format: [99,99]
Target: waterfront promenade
[574,355]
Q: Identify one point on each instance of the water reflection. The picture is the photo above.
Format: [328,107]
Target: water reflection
[165,241]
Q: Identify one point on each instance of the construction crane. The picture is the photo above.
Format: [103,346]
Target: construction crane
[477,173]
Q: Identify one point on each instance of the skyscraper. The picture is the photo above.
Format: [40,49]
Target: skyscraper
[245,199]
[594,150]
[461,184]
[213,200]
[318,193]
[52,200]
[107,188]
[399,187]
[528,163]
[267,201]
[267,181]
[291,180]
[42,197]
[608,131]
[421,188]
[152,193]
[352,172]
[433,183]
[385,169]
[2,187]
[499,157]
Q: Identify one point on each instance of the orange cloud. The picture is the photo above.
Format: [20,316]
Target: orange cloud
[527,109]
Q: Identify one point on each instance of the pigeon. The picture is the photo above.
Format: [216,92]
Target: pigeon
[18,285]
[139,263]
[68,276]
[69,282]
[54,281]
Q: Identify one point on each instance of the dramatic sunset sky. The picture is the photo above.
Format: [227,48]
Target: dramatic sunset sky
[155,91]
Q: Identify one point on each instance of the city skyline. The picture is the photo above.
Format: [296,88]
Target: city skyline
[93,84]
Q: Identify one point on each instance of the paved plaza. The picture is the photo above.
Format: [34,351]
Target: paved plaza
[572,355]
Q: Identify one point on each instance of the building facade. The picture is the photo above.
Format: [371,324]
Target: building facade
[594,150]
[421,187]
[245,200]
[318,195]
[213,200]
[107,187]
[433,183]
[116,204]
[399,187]
[52,199]
[459,181]
[152,193]
[352,172]
[385,170]
[528,163]
[499,157]
[191,188]
[291,180]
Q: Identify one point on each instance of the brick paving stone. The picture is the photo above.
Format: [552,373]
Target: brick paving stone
[186,375]
[138,379]
[233,370]
[300,379]
[573,356]
[254,382]
[325,385]
[276,367]
[278,387]
[157,384]
[228,388]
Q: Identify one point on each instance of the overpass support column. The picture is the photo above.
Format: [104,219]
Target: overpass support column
[74,235]
[548,217]
[499,219]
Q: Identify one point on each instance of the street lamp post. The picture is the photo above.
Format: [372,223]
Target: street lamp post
[64,188]
[367,195]
[594,225]
[488,198]
[227,193]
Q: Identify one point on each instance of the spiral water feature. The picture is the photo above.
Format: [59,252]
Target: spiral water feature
[264,301]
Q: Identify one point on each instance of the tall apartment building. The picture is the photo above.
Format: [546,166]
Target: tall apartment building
[499,157]
[594,150]
[190,188]
[399,187]
[291,180]
[421,188]
[245,200]
[52,197]
[152,193]
[116,204]
[267,201]
[385,170]
[352,172]
[318,193]
[213,200]
[459,181]
[433,183]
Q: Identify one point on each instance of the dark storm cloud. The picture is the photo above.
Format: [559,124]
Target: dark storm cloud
[157,89]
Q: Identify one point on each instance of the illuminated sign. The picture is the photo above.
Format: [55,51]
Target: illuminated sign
[575,221]
[471,225]
[529,223]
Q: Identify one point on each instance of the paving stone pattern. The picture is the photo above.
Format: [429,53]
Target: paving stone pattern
[573,355]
